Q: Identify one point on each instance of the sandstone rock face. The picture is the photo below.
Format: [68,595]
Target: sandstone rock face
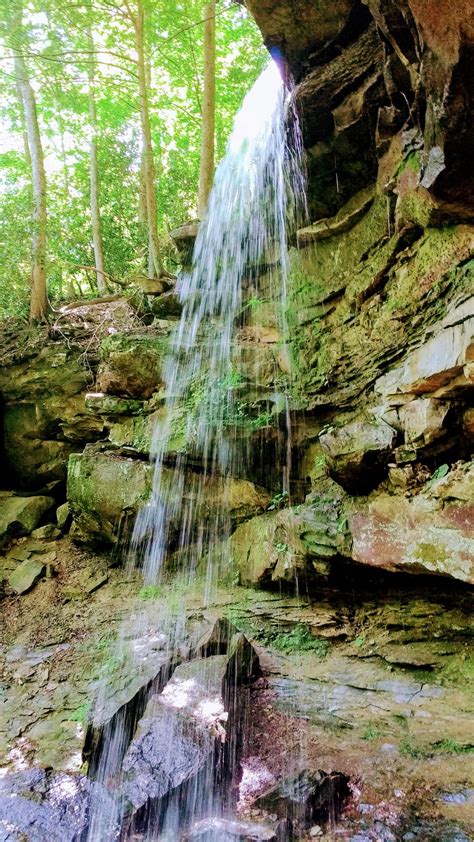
[430,533]
[443,365]
[291,545]
[364,72]
[359,453]
[44,414]
[422,420]
[293,37]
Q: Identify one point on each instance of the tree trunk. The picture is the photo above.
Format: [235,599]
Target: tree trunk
[94,173]
[39,297]
[155,263]
[206,173]
[24,131]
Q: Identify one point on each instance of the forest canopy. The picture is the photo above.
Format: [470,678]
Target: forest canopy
[75,154]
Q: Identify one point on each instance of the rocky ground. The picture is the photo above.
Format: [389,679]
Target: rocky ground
[370,680]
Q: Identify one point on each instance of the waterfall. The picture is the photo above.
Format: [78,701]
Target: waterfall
[197,448]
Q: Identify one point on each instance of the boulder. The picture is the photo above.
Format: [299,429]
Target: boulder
[26,575]
[38,804]
[106,489]
[46,532]
[63,516]
[103,490]
[304,798]
[132,364]
[358,453]
[20,515]
[189,716]
[422,420]
[293,543]
[189,734]
[216,829]
[166,306]
[429,533]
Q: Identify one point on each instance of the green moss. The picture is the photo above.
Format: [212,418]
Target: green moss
[446,746]
[430,554]
[300,639]
[150,592]
[412,162]
[81,713]
[371,733]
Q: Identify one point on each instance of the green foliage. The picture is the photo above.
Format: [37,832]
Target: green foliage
[59,66]
[359,641]
[300,639]
[281,548]
[278,501]
[439,473]
[150,592]
[372,733]
[445,746]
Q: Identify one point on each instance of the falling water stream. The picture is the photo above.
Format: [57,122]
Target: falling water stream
[200,452]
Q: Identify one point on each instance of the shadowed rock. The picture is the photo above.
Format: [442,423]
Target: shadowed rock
[20,515]
[306,798]
[188,740]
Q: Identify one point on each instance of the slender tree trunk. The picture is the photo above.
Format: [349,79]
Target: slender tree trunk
[24,131]
[94,173]
[39,297]
[142,209]
[206,173]
[149,164]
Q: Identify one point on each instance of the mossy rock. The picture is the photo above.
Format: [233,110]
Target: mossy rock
[20,515]
[132,364]
[102,488]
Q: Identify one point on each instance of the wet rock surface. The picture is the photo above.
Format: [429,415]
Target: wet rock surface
[107,488]
[39,804]
[374,687]
[186,743]
[304,798]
